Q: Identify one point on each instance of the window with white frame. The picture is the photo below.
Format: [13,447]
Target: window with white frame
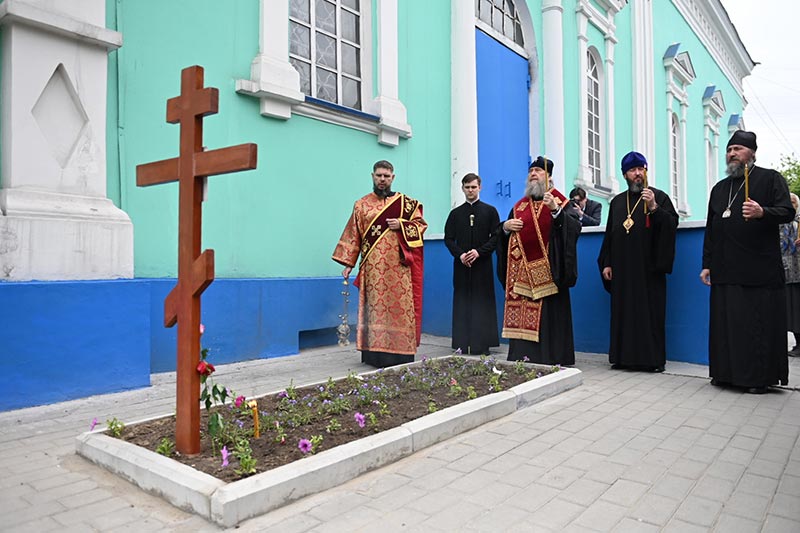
[325,49]
[711,165]
[675,159]
[593,118]
[501,16]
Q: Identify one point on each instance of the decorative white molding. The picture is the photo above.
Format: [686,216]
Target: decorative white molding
[56,222]
[710,22]
[679,73]
[499,37]
[587,12]
[30,14]
[276,83]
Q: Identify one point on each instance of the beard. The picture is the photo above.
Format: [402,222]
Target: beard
[382,193]
[635,186]
[735,169]
[535,190]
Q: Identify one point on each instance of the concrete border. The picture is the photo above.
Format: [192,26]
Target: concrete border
[227,504]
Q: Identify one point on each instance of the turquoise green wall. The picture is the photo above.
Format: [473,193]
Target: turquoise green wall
[284,218]
[112,115]
[623,93]
[672,28]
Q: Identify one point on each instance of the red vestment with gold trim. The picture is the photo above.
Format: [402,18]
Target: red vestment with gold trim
[390,273]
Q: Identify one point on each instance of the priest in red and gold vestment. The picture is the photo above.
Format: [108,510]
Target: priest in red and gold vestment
[385,229]
[537,264]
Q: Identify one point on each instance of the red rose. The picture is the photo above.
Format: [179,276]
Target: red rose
[205,369]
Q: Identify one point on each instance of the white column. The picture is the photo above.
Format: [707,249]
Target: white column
[584,176]
[273,79]
[388,106]
[684,204]
[611,147]
[56,222]
[644,120]
[553,69]
[464,97]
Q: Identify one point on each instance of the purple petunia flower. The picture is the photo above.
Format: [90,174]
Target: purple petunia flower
[282,394]
[225,453]
[94,423]
[304,445]
[359,419]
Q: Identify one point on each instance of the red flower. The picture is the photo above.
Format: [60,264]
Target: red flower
[205,369]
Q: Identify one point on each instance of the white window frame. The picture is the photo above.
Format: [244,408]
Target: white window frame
[276,83]
[679,75]
[713,110]
[500,36]
[596,170]
[602,19]
[675,157]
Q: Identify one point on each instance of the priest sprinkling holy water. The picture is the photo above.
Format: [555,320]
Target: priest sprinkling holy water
[637,253]
[537,265]
[385,229]
[742,264]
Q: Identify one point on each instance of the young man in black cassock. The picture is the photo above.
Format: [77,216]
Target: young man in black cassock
[537,263]
[637,253]
[470,234]
[742,264]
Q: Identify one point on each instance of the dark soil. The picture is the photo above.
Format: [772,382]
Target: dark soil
[387,399]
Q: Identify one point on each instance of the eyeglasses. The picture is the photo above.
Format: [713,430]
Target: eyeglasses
[383,175]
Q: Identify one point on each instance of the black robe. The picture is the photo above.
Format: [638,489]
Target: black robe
[639,261]
[474,309]
[556,345]
[747,326]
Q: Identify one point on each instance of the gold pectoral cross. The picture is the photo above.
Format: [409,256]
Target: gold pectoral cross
[628,224]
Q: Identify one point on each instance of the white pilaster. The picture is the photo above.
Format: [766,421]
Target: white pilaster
[584,176]
[644,119]
[611,147]
[464,97]
[553,68]
[388,106]
[55,220]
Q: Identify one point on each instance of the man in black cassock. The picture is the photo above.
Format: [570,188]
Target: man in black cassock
[637,253]
[470,234]
[537,263]
[742,264]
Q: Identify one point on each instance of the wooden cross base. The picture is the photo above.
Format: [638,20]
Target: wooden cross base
[195,270]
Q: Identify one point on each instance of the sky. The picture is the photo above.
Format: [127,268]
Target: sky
[767,28]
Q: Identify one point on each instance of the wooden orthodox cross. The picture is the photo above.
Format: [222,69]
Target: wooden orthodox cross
[195,270]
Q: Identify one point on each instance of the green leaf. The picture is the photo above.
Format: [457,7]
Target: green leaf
[215,424]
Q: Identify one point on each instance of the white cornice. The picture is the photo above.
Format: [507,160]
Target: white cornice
[19,12]
[710,22]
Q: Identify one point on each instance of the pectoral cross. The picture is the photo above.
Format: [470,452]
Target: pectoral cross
[195,270]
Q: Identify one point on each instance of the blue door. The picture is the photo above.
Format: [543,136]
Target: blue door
[503,138]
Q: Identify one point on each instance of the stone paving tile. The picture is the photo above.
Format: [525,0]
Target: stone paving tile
[454,517]
[747,505]
[602,515]
[557,513]
[584,491]
[630,525]
[654,509]
[713,488]
[688,468]
[699,511]
[753,484]
[777,524]
[534,497]
[501,517]
[475,481]
[524,475]
[785,506]
[672,486]
[773,454]
[789,485]
[624,492]
[737,524]
[606,472]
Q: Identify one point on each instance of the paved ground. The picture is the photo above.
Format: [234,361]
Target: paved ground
[626,451]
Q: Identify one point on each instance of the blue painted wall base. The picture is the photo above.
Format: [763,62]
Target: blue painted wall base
[66,340]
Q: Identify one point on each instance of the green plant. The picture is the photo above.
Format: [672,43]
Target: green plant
[166,447]
[333,425]
[115,427]
[432,406]
[316,442]
[244,454]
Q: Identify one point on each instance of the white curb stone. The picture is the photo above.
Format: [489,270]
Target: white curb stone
[227,504]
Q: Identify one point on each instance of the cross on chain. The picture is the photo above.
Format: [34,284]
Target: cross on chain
[195,270]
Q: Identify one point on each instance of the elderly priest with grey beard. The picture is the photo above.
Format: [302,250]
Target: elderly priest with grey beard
[742,264]
[537,264]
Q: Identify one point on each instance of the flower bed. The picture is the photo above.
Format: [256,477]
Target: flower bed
[299,422]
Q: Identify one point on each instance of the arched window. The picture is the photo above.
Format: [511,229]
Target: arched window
[325,48]
[675,159]
[593,118]
[502,16]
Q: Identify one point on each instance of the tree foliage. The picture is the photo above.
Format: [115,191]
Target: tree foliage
[790,168]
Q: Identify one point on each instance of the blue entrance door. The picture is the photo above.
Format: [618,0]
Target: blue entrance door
[503,138]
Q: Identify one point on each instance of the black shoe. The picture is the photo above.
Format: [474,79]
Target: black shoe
[794,352]
[617,366]
[658,369]
[715,383]
[757,390]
